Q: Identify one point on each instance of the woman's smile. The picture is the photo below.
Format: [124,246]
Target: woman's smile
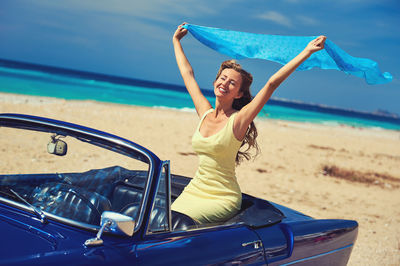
[229,81]
[222,90]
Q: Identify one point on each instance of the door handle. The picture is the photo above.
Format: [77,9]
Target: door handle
[256,244]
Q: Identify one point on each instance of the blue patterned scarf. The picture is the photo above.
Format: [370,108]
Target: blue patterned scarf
[282,49]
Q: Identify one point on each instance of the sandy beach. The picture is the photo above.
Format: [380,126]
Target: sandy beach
[323,171]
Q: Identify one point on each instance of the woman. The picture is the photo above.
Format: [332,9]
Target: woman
[213,195]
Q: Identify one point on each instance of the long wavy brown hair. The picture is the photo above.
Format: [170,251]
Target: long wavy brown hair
[251,135]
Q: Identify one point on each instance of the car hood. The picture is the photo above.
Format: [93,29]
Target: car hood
[20,240]
[27,241]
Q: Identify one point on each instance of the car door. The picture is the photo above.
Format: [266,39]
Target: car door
[222,244]
[230,245]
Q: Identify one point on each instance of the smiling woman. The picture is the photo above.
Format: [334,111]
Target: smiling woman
[214,194]
[241,79]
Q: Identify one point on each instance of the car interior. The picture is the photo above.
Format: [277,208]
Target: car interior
[84,196]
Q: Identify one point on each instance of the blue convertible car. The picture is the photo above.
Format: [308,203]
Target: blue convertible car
[73,195]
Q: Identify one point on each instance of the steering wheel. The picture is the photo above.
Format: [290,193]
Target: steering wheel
[50,193]
[94,209]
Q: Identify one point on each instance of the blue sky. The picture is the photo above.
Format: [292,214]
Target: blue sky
[133,39]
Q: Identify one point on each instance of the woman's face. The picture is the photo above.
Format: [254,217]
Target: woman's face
[228,84]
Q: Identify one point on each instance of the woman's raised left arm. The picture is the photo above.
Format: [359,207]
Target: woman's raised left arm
[250,111]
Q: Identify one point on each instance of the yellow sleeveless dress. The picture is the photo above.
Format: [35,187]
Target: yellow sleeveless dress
[213,195]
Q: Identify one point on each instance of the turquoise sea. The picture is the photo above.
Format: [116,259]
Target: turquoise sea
[31,79]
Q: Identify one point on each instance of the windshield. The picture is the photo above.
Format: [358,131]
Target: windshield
[72,179]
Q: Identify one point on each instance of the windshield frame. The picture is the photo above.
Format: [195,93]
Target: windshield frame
[94,137]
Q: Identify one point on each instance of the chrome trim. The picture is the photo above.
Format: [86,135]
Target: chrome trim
[256,244]
[50,215]
[168,195]
[317,256]
[111,139]
[97,241]
[168,163]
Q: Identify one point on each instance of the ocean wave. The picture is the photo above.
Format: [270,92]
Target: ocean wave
[331,123]
[183,109]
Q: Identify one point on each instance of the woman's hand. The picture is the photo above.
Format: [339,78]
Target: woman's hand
[180,32]
[316,44]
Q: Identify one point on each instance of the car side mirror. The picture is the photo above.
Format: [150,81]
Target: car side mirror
[115,223]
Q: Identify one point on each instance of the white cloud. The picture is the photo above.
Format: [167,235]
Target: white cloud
[276,17]
[307,20]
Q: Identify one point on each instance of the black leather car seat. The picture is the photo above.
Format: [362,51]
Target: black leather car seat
[123,197]
[181,221]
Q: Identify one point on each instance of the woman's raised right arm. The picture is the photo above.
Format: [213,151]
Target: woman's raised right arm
[200,102]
